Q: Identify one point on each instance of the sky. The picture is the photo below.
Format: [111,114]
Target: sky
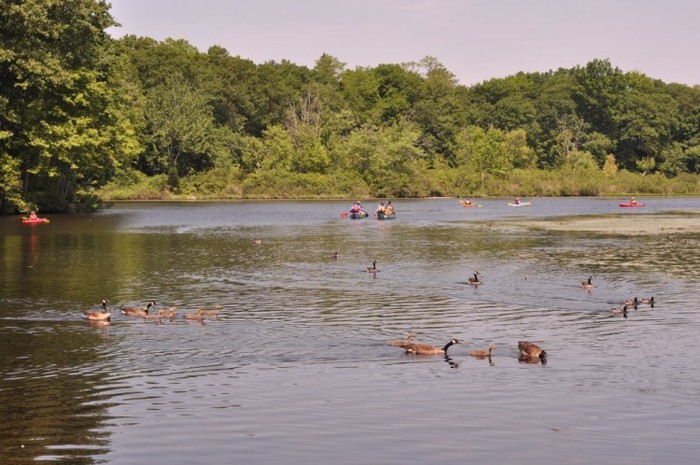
[476,40]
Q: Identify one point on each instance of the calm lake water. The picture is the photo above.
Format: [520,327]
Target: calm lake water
[296,371]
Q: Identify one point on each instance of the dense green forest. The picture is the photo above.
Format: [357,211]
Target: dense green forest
[85,117]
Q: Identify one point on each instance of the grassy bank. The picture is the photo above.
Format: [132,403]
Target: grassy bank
[231,183]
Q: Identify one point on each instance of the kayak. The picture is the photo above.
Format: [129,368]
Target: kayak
[521,204]
[468,205]
[632,205]
[384,216]
[358,215]
[26,220]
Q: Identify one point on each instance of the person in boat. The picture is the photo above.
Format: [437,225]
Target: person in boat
[33,216]
[633,201]
[389,209]
[358,209]
[381,208]
[517,201]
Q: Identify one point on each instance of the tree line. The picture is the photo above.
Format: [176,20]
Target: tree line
[84,116]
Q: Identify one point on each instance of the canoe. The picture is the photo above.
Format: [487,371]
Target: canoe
[632,205]
[521,204]
[384,216]
[358,215]
[35,221]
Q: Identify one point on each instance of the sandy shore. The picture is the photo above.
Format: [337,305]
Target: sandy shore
[668,223]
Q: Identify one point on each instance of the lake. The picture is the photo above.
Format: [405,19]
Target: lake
[295,370]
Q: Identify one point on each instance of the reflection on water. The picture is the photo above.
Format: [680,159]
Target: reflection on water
[295,369]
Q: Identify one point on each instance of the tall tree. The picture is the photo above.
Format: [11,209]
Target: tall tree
[55,125]
[179,123]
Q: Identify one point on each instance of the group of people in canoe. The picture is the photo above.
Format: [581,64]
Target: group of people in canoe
[383,210]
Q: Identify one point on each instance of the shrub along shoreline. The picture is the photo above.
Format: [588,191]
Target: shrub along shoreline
[232,184]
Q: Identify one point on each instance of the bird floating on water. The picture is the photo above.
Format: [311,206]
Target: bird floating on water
[138,311]
[616,311]
[402,343]
[481,353]
[97,315]
[474,280]
[531,353]
[588,284]
[427,349]
[210,313]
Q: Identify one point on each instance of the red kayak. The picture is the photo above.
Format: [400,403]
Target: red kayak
[631,204]
[35,220]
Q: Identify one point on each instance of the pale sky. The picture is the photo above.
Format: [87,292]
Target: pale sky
[474,39]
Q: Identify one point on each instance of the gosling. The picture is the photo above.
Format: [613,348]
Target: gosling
[481,353]
[402,343]
[168,313]
[210,313]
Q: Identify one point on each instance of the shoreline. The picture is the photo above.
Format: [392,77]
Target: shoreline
[686,222]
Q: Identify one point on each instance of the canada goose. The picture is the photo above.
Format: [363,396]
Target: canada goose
[213,313]
[648,301]
[587,284]
[136,311]
[530,352]
[619,311]
[475,279]
[373,268]
[427,349]
[481,353]
[402,343]
[97,315]
[634,302]
[168,312]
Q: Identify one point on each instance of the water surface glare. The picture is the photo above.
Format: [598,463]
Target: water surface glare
[295,368]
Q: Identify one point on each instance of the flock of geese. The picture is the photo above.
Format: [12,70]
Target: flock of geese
[529,352]
[634,303]
[170,313]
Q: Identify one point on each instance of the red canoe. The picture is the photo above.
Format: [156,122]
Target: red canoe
[631,204]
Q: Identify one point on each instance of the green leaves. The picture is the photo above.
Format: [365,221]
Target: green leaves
[55,135]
